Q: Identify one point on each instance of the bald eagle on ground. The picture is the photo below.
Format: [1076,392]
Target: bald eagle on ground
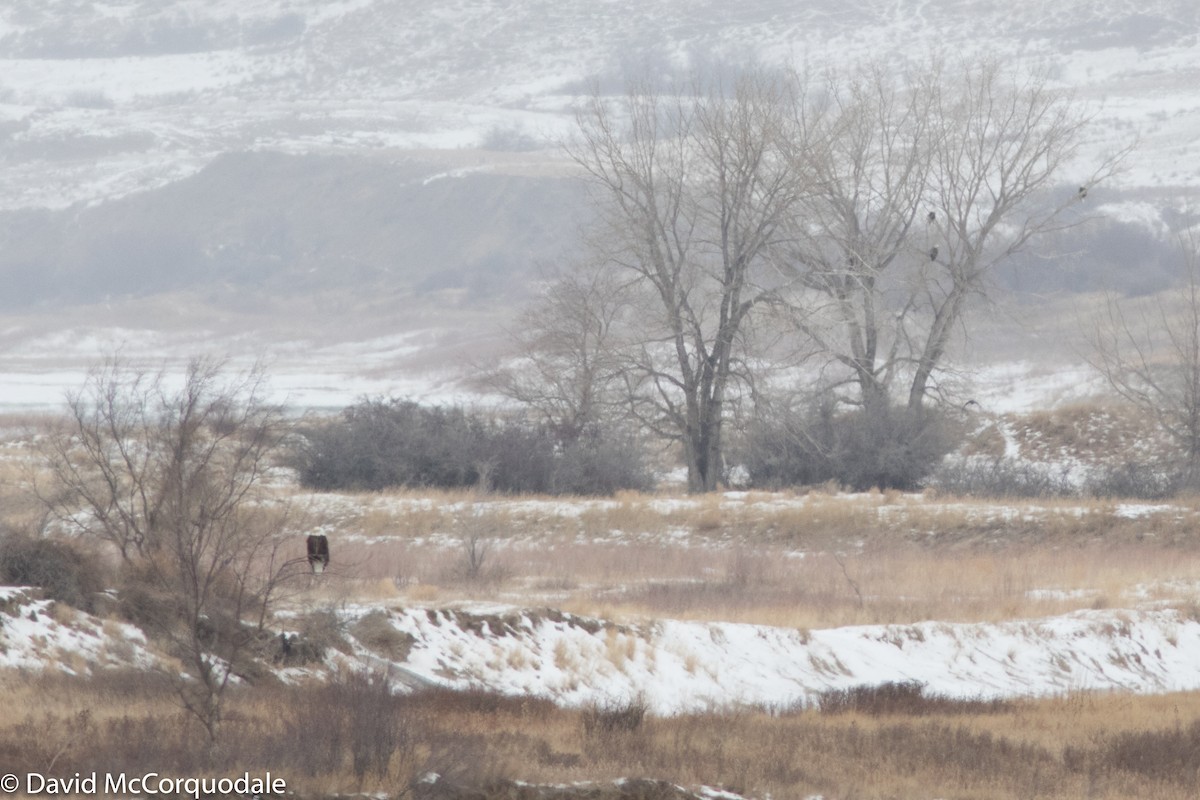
[318,552]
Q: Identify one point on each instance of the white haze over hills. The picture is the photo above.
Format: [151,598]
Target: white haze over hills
[362,191]
[102,99]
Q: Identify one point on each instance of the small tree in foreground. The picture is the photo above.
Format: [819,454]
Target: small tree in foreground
[171,477]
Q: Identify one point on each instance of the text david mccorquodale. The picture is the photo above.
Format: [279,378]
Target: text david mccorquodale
[151,783]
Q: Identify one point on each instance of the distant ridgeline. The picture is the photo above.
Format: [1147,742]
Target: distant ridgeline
[292,224]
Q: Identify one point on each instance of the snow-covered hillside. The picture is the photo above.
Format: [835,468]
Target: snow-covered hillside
[370,150]
[679,667]
[101,99]
[38,634]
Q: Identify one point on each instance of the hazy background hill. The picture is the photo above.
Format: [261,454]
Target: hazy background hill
[287,224]
[400,160]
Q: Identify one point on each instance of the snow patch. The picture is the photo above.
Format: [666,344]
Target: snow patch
[679,667]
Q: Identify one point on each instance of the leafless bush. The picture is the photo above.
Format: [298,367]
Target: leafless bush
[1010,477]
[894,448]
[602,462]
[902,697]
[63,569]
[613,717]
[167,475]
[383,443]
[356,715]
[1138,481]
[1003,477]
[475,552]
[320,630]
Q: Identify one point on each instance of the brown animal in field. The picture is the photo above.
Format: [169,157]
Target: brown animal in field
[318,552]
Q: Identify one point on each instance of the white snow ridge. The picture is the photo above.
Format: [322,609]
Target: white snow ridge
[679,667]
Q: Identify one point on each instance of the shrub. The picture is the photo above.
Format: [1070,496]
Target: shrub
[355,715]
[377,444]
[610,718]
[891,450]
[144,601]
[1002,477]
[1137,481]
[902,697]
[1010,477]
[601,462]
[384,443]
[321,630]
[64,570]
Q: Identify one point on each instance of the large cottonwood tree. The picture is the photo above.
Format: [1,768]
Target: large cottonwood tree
[868,209]
[933,178]
[695,192]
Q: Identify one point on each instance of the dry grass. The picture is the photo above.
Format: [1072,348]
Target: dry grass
[355,737]
[811,561]
[1091,432]
[799,560]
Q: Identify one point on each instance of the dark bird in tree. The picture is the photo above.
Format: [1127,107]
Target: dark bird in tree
[1082,192]
[318,552]
[932,217]
[933,253]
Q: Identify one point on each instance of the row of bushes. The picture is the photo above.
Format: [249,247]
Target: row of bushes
[378,444]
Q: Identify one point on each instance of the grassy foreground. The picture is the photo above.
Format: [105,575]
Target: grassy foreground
[353,736]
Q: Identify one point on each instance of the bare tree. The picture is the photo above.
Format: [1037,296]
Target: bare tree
[171,477]
[856,233]
[931,180]
[1003,146]
[1150,355]
[567,368]
[694,191]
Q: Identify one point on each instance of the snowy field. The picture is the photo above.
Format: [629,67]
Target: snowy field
[742,601]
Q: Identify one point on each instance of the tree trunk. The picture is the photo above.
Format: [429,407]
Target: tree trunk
[702,454]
